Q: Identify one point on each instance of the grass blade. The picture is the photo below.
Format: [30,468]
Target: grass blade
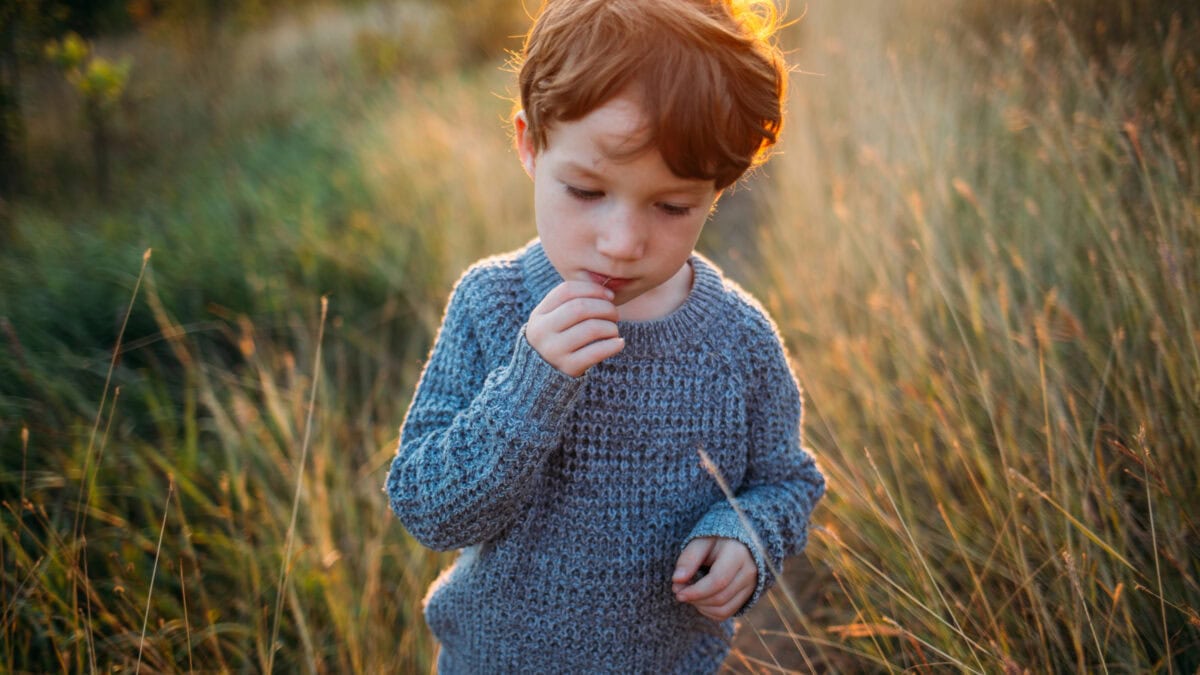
[154,573]
[291,532]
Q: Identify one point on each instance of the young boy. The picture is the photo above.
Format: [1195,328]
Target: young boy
[557,430]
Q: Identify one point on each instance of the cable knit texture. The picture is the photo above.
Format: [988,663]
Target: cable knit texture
[572,498]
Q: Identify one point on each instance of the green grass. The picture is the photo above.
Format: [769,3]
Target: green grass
[979,239]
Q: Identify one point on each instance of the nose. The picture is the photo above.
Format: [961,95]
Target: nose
[622,235]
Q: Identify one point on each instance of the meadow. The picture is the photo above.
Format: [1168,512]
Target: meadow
[979,238]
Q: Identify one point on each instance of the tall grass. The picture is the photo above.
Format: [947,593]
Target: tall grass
[201,429]
[980,247]
[984,256]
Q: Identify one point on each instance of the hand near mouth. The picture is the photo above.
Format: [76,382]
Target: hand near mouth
[575,327]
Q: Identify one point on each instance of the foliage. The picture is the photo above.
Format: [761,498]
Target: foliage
[98,80]
[100,83]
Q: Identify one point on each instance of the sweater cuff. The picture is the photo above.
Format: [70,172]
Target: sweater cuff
[722,521]
[537,392]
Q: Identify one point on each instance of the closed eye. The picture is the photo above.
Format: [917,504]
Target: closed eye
[583,195]
[674,209]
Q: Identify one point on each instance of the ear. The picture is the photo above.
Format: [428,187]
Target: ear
[525,148]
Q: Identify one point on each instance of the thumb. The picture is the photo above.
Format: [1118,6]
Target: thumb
[690,560]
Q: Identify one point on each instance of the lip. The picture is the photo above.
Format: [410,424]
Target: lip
[614,284]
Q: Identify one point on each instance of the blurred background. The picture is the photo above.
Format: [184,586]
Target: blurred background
[978,236]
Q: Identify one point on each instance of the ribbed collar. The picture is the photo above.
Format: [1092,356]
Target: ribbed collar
[686,324]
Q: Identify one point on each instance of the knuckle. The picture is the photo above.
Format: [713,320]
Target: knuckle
[547,340]
[574,310]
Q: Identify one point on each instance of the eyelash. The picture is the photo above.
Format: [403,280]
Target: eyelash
[592,195]
[584,195]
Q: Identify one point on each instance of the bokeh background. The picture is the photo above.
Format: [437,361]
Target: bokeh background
[228,229]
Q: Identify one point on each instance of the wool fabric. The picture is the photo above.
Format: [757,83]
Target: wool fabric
[572,497]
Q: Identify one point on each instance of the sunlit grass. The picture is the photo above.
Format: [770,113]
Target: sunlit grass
[986,268]
[982,255]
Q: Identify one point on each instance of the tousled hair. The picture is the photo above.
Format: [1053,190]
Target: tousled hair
[707,74]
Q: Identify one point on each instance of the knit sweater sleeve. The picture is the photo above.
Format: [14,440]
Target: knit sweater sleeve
[474,441]
[782,484]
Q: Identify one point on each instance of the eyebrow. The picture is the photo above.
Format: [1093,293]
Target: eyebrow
[576,167]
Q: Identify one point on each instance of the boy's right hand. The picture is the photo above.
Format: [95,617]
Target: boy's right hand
[575,327]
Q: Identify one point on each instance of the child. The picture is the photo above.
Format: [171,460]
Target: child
[556,433]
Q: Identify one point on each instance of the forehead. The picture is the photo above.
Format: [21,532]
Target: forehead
[617,129]
[613,140]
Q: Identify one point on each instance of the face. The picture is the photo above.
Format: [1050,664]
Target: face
[629,224]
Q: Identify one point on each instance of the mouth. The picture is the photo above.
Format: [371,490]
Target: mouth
[614,284]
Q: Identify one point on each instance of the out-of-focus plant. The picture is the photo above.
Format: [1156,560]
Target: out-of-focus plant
[19,20]
[487,29]
[378,54]
[100,83]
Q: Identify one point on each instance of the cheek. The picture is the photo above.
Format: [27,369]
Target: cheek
[557,216]
[682,236]
[544,210]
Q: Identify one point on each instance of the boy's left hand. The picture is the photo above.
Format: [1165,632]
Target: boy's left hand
[729,583]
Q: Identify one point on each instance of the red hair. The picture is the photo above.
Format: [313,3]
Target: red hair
[707,73]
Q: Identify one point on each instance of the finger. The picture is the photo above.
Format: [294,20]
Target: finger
[586,332]
[695,554]
[580,360]
[569,290]
[724,570]
[545,331]
[704,589]
[728,608]
[575,310]
[734,594]
[722,613]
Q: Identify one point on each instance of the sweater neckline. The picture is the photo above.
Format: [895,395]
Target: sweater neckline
[687,323]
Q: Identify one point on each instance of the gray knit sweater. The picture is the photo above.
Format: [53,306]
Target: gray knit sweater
[571,498]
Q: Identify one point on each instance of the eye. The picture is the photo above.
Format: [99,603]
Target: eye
[674,209]
[583,195]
